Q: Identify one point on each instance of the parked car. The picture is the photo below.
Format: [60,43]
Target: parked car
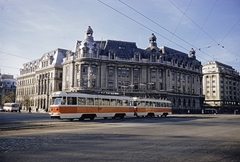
[11,107]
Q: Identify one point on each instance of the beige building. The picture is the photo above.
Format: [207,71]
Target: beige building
[116,67]
[38,79]
[221,85]
[121,67]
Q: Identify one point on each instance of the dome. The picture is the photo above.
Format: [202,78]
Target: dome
[88,44]
[153,38]
[89,31]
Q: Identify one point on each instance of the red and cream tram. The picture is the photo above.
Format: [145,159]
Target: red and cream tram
[72,105]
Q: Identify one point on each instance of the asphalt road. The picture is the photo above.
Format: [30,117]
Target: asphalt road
[184,138]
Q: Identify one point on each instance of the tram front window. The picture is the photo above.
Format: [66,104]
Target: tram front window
[57,101]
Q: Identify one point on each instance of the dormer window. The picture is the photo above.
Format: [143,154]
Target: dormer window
[136,57]
[94,50]
[111,55]
[153,58]
[122,47]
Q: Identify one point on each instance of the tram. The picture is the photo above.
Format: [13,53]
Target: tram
[75,105]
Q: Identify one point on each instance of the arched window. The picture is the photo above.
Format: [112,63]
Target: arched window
[184,102]
[173,102]
[189,102]
[179,102]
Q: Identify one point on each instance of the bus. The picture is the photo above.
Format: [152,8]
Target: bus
[11,107]
[75,105]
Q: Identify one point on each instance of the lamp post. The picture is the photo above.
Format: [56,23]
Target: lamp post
[146,84]
[124,88]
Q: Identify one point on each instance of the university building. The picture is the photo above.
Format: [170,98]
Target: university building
[38,79]
[221,87]
[115,67]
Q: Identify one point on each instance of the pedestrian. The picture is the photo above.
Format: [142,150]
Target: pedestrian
[29,110]
[19,110]
[37,109]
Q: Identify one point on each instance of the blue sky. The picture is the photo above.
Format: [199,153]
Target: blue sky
[30,28]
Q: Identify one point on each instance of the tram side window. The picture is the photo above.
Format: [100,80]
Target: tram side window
[113,102]
[63,101]
[90,101]
[71,100]
[164,104]
[147,103]
[97,101]
[125,102]
[154,104]
[105,102]
[158,104]
[151,104]
[81,101]
[119,102]
[142,103]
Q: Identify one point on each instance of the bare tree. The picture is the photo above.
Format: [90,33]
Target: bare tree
[8,97]
[26,101]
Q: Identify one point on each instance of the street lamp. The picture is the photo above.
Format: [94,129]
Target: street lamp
[124,88]
[146,84]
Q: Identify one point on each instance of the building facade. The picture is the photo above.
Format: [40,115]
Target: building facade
[38,79]
[7,84]
[221,87]
[116,67]
[121,67]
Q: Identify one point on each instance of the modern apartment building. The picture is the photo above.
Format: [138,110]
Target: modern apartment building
[221,85]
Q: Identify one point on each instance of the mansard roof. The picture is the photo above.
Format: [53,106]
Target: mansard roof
[168,54]
[56,56]
[120,48]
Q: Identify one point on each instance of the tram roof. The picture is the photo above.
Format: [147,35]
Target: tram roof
[78,94]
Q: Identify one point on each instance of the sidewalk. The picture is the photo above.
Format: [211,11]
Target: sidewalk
[39,111]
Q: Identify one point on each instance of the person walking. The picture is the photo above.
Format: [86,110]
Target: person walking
[29,110]
[20,108]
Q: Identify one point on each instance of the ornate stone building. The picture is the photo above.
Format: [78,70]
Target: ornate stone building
[221,86]
[39,78]
[121,67]
[118,67]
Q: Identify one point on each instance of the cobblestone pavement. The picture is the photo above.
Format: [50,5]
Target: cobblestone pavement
[177,138]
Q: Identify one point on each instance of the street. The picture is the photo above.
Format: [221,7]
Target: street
[185,138]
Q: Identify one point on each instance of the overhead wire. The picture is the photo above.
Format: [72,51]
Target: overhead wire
[9,67]
[193,22]
[15,55]
[140,24]
[230,31]
[180,20]
[159,26]
[204,30]
[205,21]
